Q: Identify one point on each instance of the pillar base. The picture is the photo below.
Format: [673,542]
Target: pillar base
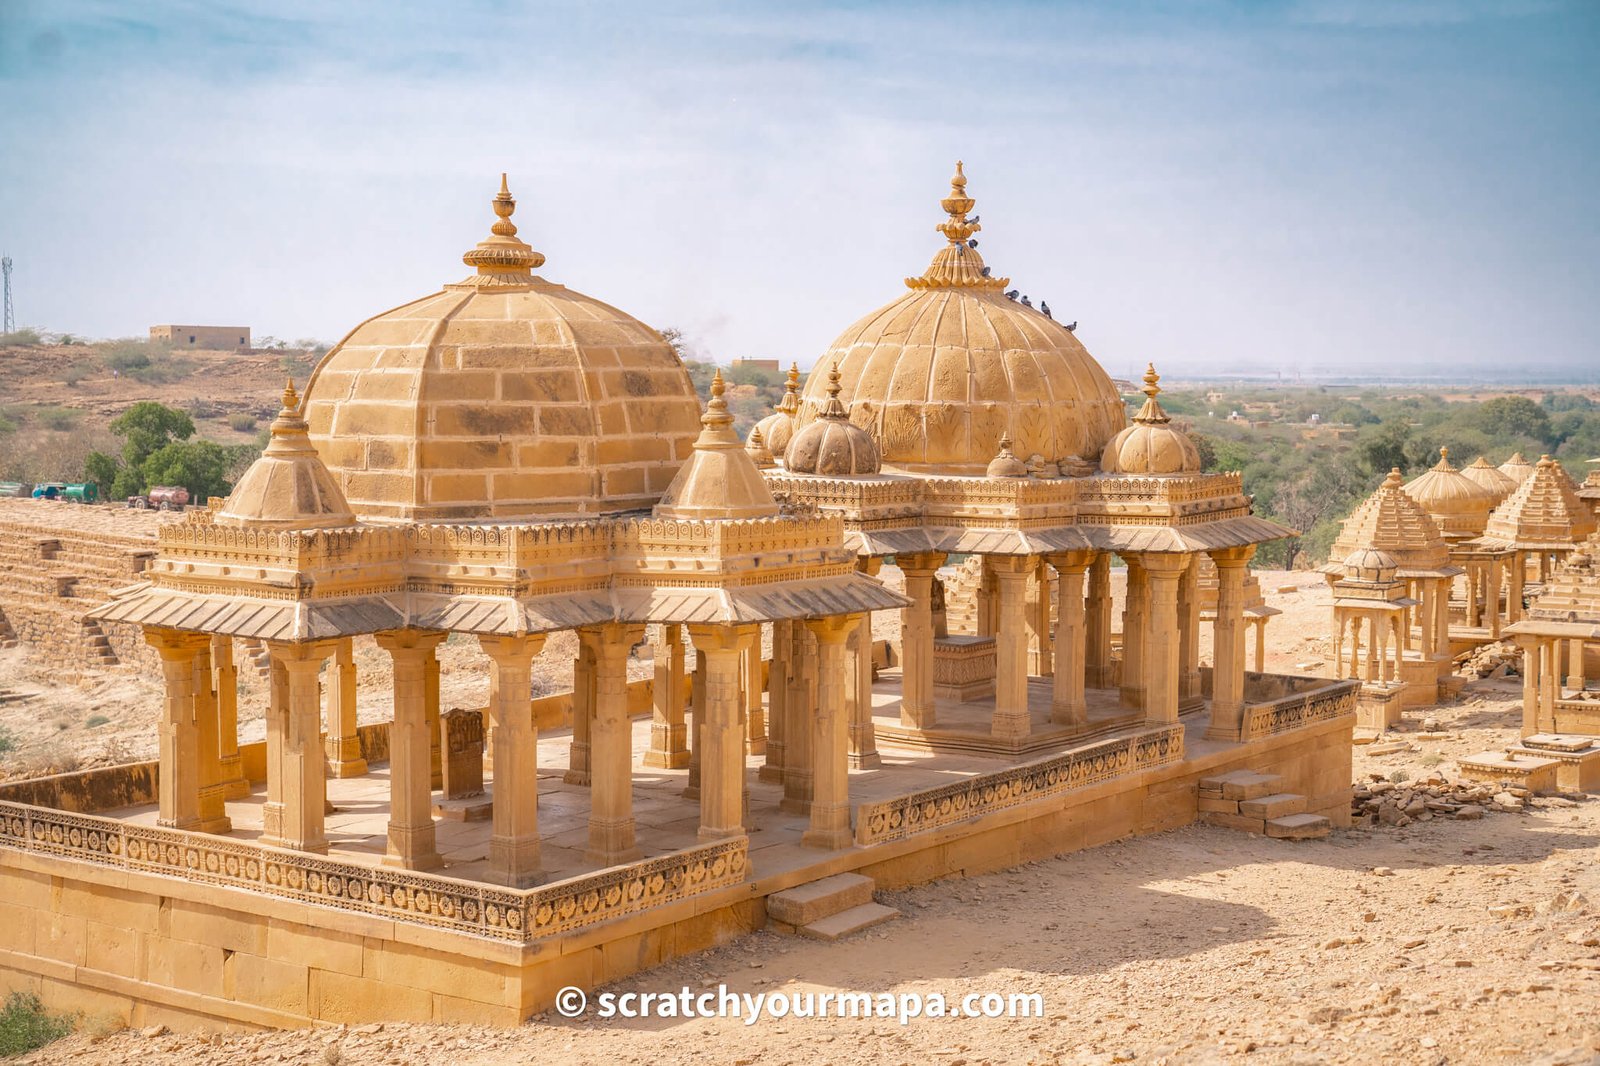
[758,746]
[1230,736]
[801,807]
[412,849]
[1010,724]
[917,719]
[234,784]
[1070,714]
[867,760]
[771,774]
[343,768]
[706,832]
[663,760]
[310,847]
[690,792]
[219,825]
[514,863]
[576,777]
[827,839]
[611,843]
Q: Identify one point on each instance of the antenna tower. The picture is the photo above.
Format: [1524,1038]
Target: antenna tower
[10,319]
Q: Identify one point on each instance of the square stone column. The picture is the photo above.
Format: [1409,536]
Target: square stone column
[1067,706]
[830,802]
[1189,634]
[411,829]
[858,697]
[1530,684]
[297,787]
[1135,620]
[722,743]
[669,742]
[1575,678]
[1097,624]
[1040,652]
[343,745]
[611,832]
[430,706]
[208,741]
[916,639]
[225,681]
[1011,647]
[697,711]
[755,715]
[1161,674]
[1227,633]
[178,782]
[800,709]
[778,677]
[1549,682]
[583,688]
[1517,569]
[514,839]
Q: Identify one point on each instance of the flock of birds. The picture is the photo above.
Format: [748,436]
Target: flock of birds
[1014,294]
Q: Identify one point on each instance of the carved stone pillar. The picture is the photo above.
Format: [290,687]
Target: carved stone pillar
[830,803]
[755,716]
[226,683]
[800,706]
[411,831]
[669,740]
[297,787]
[343,745]
[582,715]
[718,720]
[1227,670]
[1097,624]
[611,832]
[697,711]
[916,639]
[1011,648]
[208,743]
[1189,634]
[1517,569]
[178,783]
[1575,678]
[1067,706]
[1040,654]
[858,697]
[1549,682]
[1425,615]
[778,676]
[1530,685]
[1162,573]
[1135,615]
[431,709]
[514,839]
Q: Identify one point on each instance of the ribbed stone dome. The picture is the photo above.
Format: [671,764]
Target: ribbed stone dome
[832,446]
[1456,502]
[941,374]
[503,396]
[1152,445]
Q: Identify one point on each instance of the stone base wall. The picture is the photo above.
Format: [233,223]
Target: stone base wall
[145,949]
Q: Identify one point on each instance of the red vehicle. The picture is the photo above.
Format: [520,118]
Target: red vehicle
[161,498]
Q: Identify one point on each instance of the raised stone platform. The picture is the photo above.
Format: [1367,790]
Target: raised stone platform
[1577,758]
[1532,772]
[963,668]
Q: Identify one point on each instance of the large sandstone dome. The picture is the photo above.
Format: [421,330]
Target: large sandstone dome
[502,397]
[941,374]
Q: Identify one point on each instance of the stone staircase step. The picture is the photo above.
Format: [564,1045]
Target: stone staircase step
[854,920]
[1239,785]
[1277,805]
[804,904]
[1299,827]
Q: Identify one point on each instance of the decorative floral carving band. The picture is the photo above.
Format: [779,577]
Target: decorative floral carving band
[1293,712]
[395,895]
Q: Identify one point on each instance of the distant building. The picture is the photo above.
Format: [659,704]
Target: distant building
[213,338]
[755,364]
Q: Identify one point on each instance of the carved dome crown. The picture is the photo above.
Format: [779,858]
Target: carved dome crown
[1151,445]
[502,396]
[832,446]
[1458,503]
[939,375]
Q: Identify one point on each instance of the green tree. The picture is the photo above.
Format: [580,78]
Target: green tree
[1383,447]
[145,428]
[200,466]
[1505,417]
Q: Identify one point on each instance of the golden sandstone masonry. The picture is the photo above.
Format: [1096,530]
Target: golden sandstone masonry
[507,459]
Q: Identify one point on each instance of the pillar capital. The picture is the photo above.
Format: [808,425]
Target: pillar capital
[1011,566]
[920,562]
[1161,564]
[512,650]
[1071,562]
[833,628]
[724,639]
[395,641]
[174,644]
[610,638]
[301,656]
[870,564]
[1229,558]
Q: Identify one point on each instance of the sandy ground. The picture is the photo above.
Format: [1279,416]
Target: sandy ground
[1442,941]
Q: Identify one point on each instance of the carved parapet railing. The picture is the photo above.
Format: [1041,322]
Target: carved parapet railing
[395,895]
[1333,700]
[1093,764]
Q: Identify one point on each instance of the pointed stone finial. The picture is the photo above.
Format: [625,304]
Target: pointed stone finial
[1395,479]
[1444,461]
[1151,414]
[717,408]
[757,447]
[291,401]
[834,408]
[502,258]
[1006,463]
[791,391]
[958,262]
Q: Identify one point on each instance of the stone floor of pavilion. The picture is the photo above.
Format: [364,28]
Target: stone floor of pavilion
[666,821]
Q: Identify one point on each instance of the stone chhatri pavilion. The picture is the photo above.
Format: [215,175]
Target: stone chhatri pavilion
[506,459]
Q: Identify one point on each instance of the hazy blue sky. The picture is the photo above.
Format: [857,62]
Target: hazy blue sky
[1221,187]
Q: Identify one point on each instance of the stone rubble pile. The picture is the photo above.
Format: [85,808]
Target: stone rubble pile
[1379,801]
[1503,659]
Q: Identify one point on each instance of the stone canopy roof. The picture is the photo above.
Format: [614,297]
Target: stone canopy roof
[1499,485]
[1569,604]
[941,374]
[1390,521]
[1543,514]
[1457,503]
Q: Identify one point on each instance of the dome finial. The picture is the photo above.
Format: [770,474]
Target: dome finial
[791,391]
[502,259]
[291,401]
[1151,413]
[958,262]
[757,448]
[1394,480]
[716,407]
[834,408]
[1005,462]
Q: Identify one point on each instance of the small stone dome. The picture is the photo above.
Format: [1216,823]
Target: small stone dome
[1370,565]
[778,427]
[288,487]
[1499,485]
[1456,502]
[832,446]
[1006,464]
[720,480]
[1517,468]
[938,375]
[759,452]
[503,396]
[1151,445]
